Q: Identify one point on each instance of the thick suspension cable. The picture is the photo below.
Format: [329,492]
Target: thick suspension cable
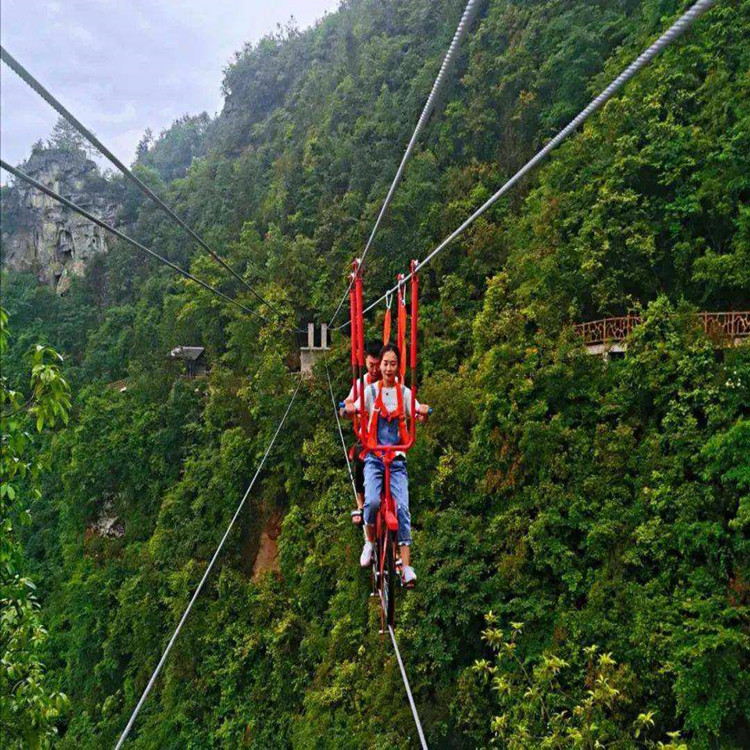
[34,84]
[120,235]
[676,30]
[408,688]
[391,632]
[151,682]
[466,19]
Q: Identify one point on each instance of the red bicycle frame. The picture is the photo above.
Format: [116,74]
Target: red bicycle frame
[387,519]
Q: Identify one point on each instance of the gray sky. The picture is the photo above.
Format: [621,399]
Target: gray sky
[121,66]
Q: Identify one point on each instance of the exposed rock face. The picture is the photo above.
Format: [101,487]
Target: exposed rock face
[41,236]
[267,559]
[107,524]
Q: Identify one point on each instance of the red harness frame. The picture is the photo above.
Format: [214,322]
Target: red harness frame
[386,527]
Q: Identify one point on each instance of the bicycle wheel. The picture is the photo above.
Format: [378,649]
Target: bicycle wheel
[389,584]
[381,576]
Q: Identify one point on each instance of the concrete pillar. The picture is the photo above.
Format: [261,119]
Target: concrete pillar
[310,353]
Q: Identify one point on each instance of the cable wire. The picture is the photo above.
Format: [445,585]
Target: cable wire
[151,682]
[408,689]
[466,20]
[34,84]
[676,30]
[103,224]
[338,424]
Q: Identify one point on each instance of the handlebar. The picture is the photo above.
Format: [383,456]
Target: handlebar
[342,405]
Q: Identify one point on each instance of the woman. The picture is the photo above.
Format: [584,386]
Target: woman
[383,402]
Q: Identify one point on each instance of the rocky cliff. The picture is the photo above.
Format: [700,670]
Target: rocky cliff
[43,237]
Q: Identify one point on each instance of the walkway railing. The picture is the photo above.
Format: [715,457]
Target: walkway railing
[730,325]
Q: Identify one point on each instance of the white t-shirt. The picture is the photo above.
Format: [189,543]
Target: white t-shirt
[354,390]
[390,399]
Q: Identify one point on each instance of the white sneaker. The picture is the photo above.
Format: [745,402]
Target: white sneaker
[408,576]
[365,559]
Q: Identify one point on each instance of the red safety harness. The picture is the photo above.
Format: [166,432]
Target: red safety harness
[386,521]
[379,410]
[355,390]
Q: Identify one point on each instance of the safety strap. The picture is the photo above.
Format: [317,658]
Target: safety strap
[387,321]
[368,382]
[401,303]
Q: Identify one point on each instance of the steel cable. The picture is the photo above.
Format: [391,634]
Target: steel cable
[466,20]
[408,688]
[36,86]
[680,26]
[669,36]
[120,235]
[338,424]
[155,674]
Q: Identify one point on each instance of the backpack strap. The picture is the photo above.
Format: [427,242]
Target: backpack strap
[403,432]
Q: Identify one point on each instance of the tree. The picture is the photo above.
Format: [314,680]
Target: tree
[146,142]
[66,138]
[28,706]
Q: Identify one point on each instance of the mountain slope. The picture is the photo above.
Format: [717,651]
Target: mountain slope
[598,503]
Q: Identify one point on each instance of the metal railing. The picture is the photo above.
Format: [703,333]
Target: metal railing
[730,325]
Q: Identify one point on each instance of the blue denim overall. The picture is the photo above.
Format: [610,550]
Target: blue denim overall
[374,471]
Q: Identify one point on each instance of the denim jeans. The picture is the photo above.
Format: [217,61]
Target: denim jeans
[374,471]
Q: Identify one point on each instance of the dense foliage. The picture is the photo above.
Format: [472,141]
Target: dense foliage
[580,523]
[28,707]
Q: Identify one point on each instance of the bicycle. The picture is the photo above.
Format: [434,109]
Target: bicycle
[384,565]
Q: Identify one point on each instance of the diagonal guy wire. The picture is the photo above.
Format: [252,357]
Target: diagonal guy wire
[197,592]
[466,19]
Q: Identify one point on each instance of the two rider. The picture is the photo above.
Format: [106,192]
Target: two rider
[387,408]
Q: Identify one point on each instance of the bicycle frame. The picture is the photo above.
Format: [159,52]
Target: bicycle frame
[384,566]
[386,526]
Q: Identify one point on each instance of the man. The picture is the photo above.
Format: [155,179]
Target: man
[372,365]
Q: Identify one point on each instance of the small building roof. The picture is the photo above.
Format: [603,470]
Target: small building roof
[187,352]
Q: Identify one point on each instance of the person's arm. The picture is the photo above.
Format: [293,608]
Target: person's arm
[422,409]
[349,406]
[368,401]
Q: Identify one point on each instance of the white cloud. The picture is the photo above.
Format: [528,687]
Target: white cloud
[76,33]
[126,114]
[124,143]
[121,67]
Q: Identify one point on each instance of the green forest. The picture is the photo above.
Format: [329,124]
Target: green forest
[580,523]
